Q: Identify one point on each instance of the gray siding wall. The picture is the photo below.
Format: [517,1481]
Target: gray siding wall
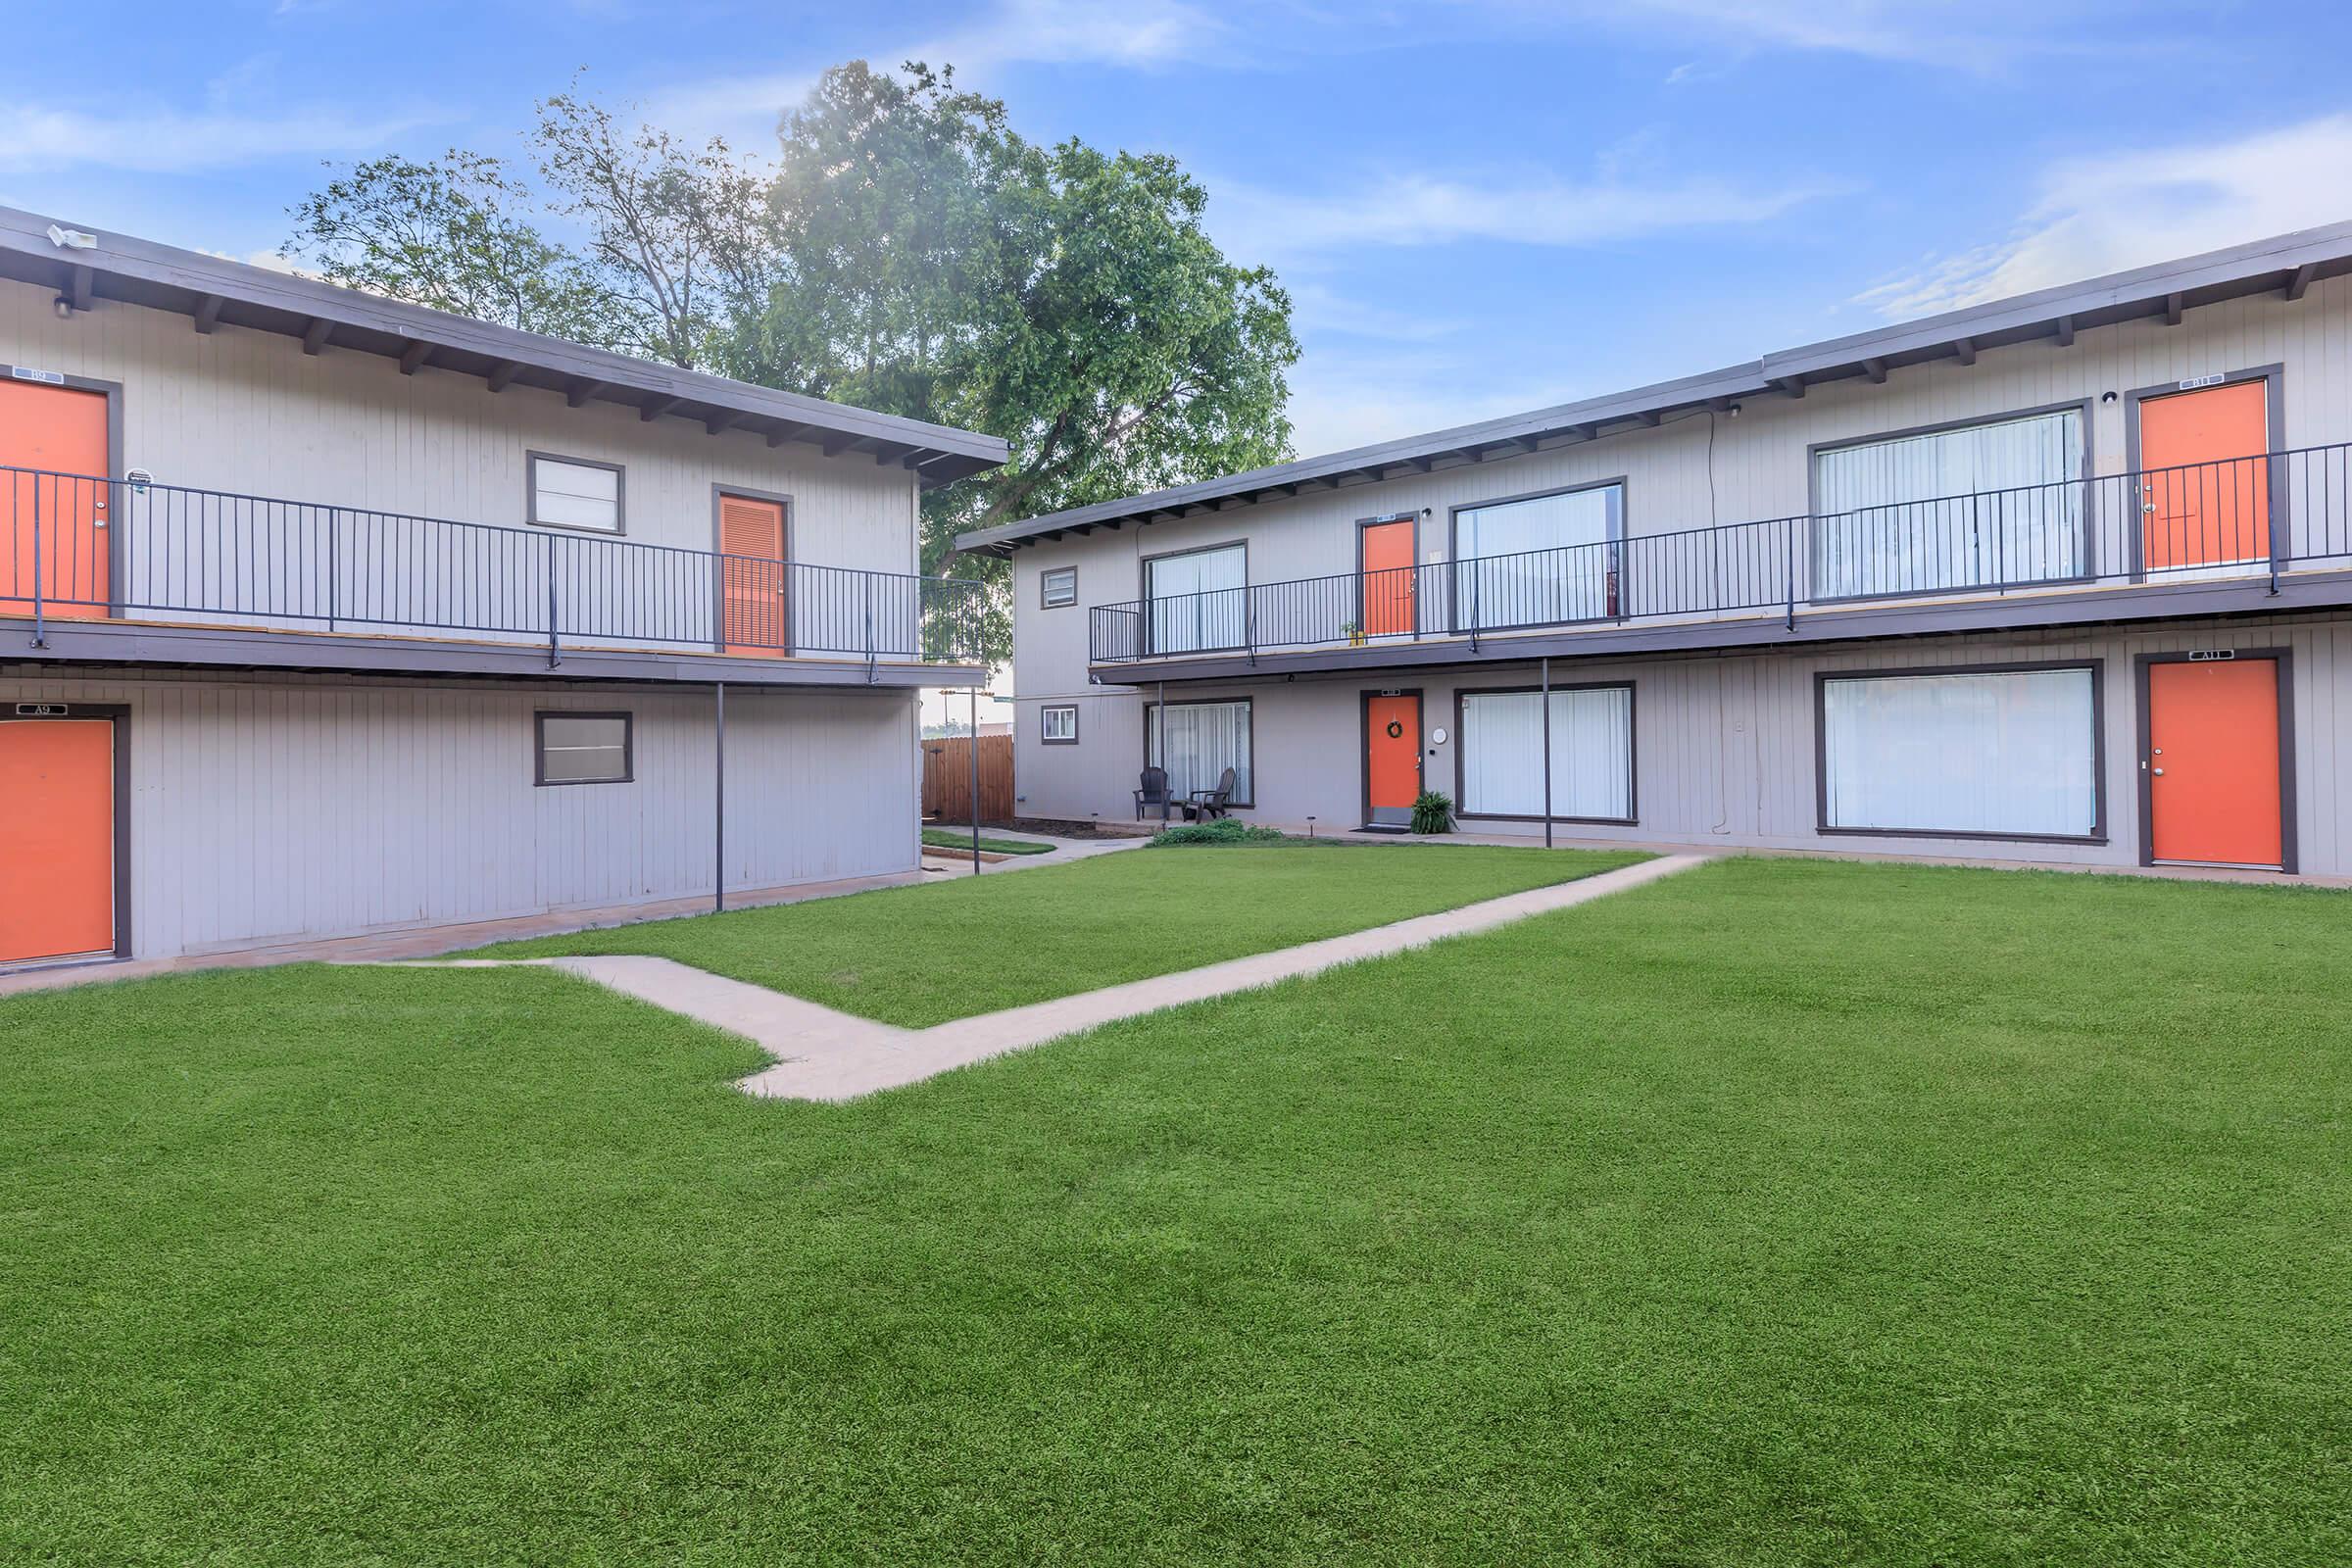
[248,411]
[1758,467]
[282,808]
[1724,746]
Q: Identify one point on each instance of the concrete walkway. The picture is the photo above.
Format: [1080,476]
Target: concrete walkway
[423,941]
[939,863]
[829,1055]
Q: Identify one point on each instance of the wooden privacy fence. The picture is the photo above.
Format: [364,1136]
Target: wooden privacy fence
[948,778]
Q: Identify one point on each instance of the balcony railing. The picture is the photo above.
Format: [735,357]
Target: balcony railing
[2251,518]
[79,548]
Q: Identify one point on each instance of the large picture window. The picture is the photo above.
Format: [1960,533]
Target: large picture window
[1997,503]
[1540,561]
[1501,741]
[1195,600]
[2005,754]
[1205,739]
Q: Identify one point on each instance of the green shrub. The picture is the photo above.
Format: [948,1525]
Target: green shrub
[1433,812]
[1225,830]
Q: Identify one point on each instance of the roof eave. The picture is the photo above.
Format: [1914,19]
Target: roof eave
[214,291]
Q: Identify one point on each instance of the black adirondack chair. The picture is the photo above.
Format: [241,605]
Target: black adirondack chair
[1207,806]
[1153,796]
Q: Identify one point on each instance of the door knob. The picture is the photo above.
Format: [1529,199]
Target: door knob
[2160,772]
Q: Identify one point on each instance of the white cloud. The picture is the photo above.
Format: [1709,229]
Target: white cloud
[1982,37]
[1415,210]
[2106,213]
[155,139]
[1139,34]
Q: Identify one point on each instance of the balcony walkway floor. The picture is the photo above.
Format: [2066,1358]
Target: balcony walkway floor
[431,941]
[177,644]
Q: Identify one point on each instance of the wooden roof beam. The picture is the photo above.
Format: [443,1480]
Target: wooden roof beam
[2066,331]
[578,393]
[656,408]
[2174,305]
[1876,370]
[314,334]
[208,313]
[502,374]
[1965,351]
[414,356]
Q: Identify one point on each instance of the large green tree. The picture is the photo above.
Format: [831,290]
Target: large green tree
[906,252]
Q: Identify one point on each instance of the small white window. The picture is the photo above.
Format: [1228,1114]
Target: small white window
[1059,587]
[1058,725]
[569,492]
[584,748]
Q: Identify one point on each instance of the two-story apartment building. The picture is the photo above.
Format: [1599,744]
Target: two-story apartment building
[2061,578]
[322,613]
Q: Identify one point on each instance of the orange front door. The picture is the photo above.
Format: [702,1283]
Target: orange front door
[53,465]
[2205,487]
[1392,756]
[753,577]
[1386,590]
[2212,762]
[57,837]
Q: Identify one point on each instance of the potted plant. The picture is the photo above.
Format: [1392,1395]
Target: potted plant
[1433,812]
[1352,632]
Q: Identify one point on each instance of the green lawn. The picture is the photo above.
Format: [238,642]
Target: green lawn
[1783,1213]
[921,956]
[947,838]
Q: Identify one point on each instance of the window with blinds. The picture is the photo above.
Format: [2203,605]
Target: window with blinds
[570,493]
[585,748]
[1197,601]
[1537,562]
[1204,740]
[2010,753]
[1501,744]
[1986,505]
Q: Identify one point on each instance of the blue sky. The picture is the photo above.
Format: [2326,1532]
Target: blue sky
[1481,205]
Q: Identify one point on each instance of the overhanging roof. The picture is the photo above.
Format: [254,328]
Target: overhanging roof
[213,290]
[2286,264]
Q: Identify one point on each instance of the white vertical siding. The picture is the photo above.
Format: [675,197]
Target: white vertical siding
[273,809]
[249,413]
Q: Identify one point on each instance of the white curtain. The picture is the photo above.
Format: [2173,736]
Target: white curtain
[1962,753]
[1197,600]
[1205,739]
[1498,582]
[1591,753]
[1957,508]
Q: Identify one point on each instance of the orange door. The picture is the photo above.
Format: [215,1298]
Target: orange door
[54,451]
[2205,490]
[751,538]
[57,837]
[1387,591]
[1392,756]
[2212,762]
